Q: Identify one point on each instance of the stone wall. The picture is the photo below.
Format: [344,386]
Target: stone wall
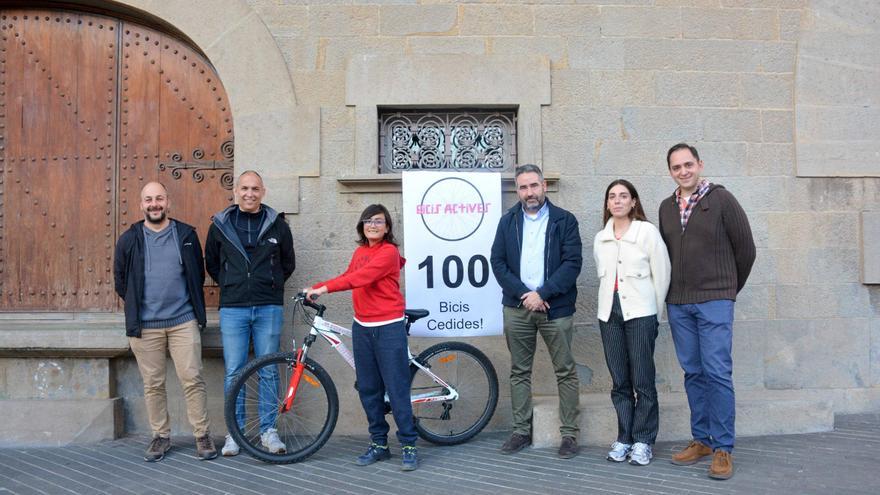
[781,97]
[628,79]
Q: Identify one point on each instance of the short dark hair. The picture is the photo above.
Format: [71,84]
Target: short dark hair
[528,168]
[637,213]
[681,146]
[368,213]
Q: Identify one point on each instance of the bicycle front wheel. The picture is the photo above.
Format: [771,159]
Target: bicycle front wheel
[254,401]
[471,374]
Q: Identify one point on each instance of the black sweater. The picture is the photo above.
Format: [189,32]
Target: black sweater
[712,258]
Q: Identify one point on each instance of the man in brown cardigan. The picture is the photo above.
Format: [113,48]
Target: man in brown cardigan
[711,249]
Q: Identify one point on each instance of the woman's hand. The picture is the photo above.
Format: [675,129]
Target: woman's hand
[313,294]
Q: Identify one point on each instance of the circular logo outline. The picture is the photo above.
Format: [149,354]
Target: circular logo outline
[482,214]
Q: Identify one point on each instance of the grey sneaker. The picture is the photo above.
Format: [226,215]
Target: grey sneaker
[619,452]
[230,448]
[641,454]
[157,449]
[270,440]
[205,449]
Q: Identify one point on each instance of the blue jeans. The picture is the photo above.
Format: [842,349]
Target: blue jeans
[703,336]
[237,326]
[382,365]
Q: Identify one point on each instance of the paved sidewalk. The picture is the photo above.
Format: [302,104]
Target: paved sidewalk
[839,462]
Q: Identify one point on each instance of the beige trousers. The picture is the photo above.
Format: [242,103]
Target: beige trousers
[184,343]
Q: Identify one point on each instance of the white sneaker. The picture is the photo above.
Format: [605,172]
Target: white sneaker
[270,440]
[230,448]
[619,451]
[641,454]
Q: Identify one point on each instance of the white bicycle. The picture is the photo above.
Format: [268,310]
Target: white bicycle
[454,392]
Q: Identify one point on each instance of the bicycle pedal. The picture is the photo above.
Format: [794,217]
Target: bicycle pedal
[444,416]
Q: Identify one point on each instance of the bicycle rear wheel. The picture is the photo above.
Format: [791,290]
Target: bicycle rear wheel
[303,429]
[469,371]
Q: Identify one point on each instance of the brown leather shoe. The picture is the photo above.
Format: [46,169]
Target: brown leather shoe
[722,465]
[157,449]
[515,443]
[691,454]
[569,448]
[205,449]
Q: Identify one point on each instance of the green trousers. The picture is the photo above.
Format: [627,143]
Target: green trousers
[521,328]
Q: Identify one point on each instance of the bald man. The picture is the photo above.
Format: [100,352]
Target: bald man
[159,273]
[249,252]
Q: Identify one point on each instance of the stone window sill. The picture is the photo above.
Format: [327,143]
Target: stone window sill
[390,183]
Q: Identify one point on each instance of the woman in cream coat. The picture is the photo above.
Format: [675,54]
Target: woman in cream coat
[633,268]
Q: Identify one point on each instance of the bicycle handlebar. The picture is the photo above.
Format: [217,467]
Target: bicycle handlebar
[320,308]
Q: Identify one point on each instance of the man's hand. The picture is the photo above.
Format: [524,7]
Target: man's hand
[533,302]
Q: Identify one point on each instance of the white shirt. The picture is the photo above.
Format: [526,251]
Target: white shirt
[531,260]
[640,262]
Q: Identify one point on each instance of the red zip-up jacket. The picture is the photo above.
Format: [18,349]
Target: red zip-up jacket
[373,275]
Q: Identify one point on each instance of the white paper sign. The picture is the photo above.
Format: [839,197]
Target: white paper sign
[449,221]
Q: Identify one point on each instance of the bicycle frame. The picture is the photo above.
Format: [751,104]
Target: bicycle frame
[331,333]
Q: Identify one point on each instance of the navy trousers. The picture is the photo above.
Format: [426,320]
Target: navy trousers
[382,365]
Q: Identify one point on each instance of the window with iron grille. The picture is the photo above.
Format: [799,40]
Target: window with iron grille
[472,140]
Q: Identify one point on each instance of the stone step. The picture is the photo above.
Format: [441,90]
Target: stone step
[757,413]
[59,422]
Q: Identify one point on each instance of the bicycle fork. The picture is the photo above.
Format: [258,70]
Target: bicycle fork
[298,369]
[324,329]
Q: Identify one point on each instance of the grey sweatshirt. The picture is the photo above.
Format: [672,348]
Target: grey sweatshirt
[166,301]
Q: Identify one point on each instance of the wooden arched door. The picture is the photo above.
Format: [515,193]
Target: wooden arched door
[91,108]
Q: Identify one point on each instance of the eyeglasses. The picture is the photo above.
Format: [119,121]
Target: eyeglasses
[378,222]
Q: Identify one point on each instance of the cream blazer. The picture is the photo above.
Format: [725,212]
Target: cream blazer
[640,262]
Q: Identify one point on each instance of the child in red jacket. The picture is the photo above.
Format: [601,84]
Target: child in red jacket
[378,334]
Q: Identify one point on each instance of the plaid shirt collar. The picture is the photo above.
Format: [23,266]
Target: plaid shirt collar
[702,188]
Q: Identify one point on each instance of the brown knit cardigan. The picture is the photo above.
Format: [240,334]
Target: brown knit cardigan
[711,259]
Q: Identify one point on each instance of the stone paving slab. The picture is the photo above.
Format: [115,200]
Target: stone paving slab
[839,461]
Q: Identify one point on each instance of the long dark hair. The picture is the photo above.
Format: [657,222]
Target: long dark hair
[636,213]
[368,213]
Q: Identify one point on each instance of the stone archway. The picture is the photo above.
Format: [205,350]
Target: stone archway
[261,93]
[272,134]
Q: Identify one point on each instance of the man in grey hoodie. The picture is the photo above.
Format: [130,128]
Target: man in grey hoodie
[159,274]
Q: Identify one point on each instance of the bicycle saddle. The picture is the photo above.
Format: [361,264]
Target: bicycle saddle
[413,315]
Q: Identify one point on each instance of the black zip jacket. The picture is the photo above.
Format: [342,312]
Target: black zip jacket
[128,273]
[253,280]
[562,260]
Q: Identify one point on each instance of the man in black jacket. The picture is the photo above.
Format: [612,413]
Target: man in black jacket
[249,252]
[536,258]
[159,274]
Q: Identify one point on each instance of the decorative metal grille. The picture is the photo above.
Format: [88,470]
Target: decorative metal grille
[482,140]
